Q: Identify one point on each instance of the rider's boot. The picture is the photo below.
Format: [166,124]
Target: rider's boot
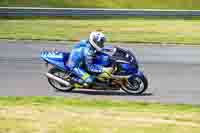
[89,81]
[77,82]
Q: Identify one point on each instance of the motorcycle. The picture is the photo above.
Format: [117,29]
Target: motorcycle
[125,76]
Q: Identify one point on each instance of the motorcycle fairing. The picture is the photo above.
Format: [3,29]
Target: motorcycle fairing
[127,66]
[56,58]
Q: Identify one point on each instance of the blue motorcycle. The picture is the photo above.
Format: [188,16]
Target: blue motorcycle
[126,74]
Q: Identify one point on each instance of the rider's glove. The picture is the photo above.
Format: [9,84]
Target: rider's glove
[108,70]
[106,73]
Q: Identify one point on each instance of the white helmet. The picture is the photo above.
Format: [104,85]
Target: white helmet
[97,40]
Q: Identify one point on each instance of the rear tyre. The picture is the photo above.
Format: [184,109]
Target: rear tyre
[136,85]
[58,86]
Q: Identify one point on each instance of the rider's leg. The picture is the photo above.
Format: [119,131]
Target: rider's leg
[83,76]
[76,79]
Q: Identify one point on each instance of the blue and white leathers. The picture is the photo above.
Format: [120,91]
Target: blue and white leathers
[82,55]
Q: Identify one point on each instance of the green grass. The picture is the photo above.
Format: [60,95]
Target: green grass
[73,115]
[153,4]
[185,31]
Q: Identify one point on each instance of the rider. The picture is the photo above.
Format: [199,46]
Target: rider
[82,57]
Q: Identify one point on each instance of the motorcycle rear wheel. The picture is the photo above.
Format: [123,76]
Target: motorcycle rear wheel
[136,85]
[58,86]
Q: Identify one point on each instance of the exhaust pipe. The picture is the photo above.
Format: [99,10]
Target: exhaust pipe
[51,76]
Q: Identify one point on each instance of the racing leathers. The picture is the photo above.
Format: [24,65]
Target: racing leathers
[81,58]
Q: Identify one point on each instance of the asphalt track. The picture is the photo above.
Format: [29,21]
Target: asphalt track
[173,72]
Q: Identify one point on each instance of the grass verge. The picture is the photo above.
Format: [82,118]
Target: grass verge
[73,115]
[185,31]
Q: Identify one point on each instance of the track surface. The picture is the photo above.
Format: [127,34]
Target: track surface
[173,72]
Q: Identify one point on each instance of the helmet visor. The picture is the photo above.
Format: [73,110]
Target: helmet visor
[101,42]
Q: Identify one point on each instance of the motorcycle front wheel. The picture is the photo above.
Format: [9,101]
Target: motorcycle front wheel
[136,85]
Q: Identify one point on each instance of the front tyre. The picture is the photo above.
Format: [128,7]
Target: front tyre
[135,85]
[58,86]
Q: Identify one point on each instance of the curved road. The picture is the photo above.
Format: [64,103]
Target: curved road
[173,72]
